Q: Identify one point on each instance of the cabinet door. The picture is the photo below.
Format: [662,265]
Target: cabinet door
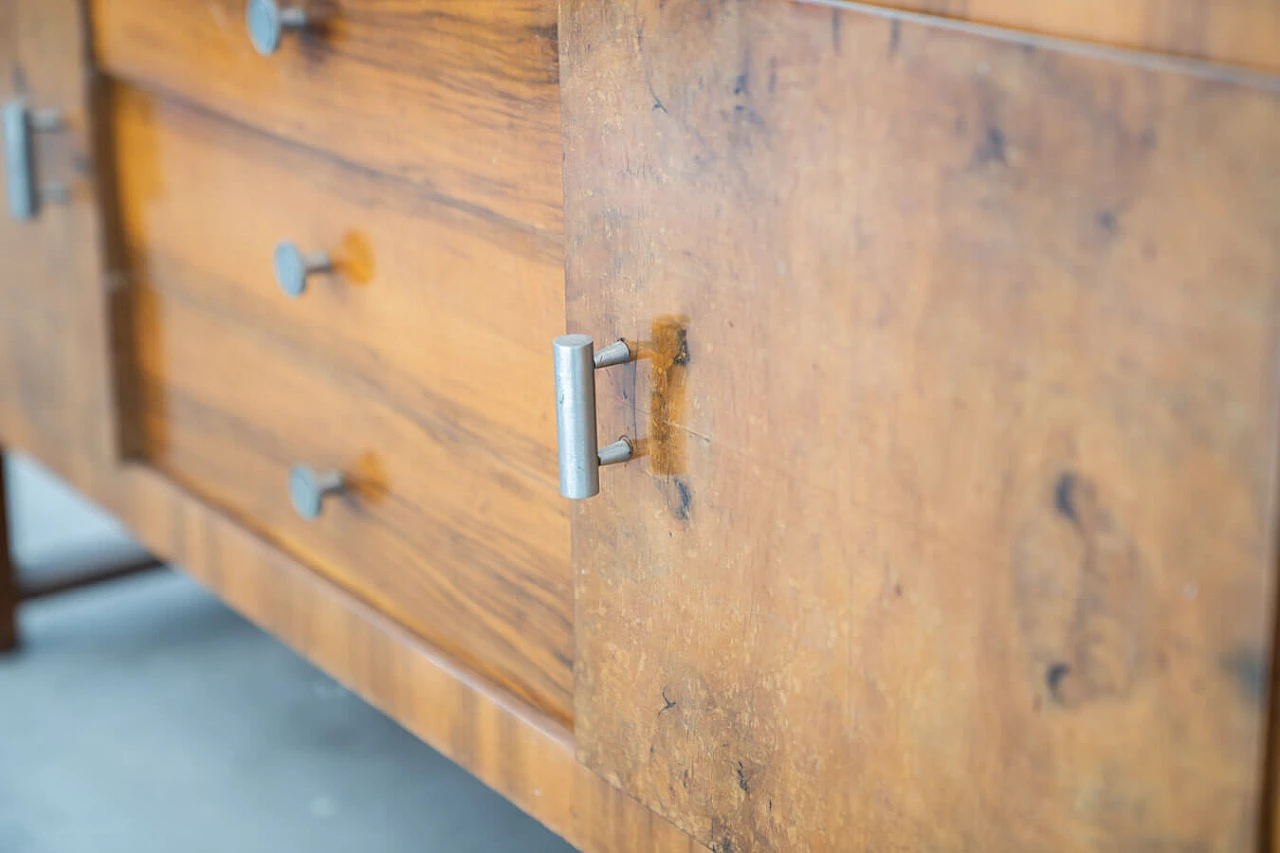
[955,525]
[55,389]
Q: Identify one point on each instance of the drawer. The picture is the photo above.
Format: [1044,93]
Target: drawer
[419,368]
[458,96]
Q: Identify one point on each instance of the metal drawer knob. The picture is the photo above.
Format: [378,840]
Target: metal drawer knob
[580,455]
[267,21]
[292,267]
[21,124]
[308,489]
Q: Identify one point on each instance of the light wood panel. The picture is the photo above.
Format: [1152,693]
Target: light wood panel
[956,531]
[460,97]
[1245,32]
[55,393]
[419,369]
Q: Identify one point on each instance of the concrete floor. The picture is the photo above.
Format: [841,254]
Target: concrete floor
[145,716]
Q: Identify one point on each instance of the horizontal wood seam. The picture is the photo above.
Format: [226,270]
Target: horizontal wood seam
[1149,60]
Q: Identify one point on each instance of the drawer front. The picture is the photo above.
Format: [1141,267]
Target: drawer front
[461,97]
[418,368]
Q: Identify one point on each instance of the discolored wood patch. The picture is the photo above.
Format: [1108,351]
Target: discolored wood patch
[667,353]
[1081,594]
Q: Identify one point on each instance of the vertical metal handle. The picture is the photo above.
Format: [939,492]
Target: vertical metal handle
[576,363]
[20,126]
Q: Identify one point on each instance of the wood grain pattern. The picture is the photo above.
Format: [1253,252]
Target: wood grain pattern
[1245,32]
[419,369]
[968,540]
[55,389]
[520,753]
[460,97]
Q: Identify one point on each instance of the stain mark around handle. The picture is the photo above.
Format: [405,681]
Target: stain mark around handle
[668,353]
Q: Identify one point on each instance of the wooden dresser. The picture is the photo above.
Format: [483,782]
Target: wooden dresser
[943,515]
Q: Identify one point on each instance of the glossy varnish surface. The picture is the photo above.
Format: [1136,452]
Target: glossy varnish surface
[956,529]
[460,97]
[418,368]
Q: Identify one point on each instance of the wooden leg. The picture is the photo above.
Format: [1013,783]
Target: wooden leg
[9,594]
[13,594]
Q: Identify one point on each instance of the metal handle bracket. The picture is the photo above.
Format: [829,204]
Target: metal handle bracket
[580,455]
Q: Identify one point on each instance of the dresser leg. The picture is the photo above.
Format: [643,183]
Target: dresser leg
[12,594]
[9,594]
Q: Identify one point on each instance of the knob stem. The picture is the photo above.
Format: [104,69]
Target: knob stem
[292,267]
[47,120]
[620,451]
[294,17]
[308,489]
[317,262]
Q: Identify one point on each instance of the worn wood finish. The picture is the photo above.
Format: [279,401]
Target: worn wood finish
[55,392]
[524,755]
[956,531]
[419,369]
[461,97]
[1245,32]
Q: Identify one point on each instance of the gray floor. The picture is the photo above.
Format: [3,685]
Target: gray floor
[145,716]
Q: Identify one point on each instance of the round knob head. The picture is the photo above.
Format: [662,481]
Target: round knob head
[265,25]
[306,492]
[290,268]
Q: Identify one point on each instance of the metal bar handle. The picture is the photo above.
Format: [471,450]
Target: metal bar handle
[580,454]
[20,123]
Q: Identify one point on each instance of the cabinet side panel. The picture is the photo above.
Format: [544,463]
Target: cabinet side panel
[55,382]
